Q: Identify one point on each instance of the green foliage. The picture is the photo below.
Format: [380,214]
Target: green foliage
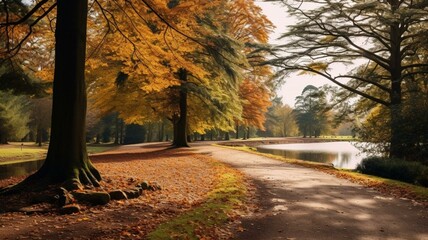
[14,116]
[411,172]
[14,78]
[310,111]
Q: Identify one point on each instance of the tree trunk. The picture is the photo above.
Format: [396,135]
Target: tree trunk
[161,132]
[248,133]
[237,131]
[227,136]
[396,142]
[67,159]
[3,139]
[122,130]
[39,137]
[116,132]
[181,127]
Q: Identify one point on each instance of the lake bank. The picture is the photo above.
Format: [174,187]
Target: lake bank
[268,141]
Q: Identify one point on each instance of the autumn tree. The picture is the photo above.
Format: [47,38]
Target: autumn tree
[67,160]
[280,120]
[255,101]
[387,35]
[196,65]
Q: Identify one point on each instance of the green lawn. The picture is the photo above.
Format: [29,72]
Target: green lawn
[14,152]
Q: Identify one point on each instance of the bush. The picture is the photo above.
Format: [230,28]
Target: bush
[406,171]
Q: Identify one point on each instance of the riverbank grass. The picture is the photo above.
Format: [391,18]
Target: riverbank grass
[227,196]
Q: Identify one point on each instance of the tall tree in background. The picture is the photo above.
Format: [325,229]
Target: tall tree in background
[280,120]
[310,111]
[387,35]
[14,117]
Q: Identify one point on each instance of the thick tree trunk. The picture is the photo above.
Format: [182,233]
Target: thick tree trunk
[67,159]
[181,127]
[396,142]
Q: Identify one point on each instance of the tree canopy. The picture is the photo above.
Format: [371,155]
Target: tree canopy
[386,37]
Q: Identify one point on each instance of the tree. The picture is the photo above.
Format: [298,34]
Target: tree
[280,120]
[205,52]
[67,159]
[388,35]
[41,116]
[310,111]
[14,116]
[255,102]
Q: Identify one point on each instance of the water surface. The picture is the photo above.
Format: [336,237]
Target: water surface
[340,154]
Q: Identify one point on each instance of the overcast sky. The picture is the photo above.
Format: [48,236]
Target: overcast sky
[294,84]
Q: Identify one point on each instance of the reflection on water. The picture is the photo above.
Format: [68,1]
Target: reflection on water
[19,169]
[340,154]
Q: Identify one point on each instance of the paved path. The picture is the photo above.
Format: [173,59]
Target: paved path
[302,203]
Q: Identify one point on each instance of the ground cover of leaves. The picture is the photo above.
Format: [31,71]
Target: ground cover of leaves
[186,180]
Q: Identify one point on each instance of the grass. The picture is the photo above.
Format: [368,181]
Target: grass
[98,148]
[350,138]
[228,194]
[13,153]
[16,154]
[388,186]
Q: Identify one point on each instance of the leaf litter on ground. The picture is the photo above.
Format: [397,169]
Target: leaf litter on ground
[186,180]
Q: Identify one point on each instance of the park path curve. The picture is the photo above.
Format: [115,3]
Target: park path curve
[302,203]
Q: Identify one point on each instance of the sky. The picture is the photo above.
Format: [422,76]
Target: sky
[294,84]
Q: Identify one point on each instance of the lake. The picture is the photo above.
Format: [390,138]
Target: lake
[340,154]
[19,168]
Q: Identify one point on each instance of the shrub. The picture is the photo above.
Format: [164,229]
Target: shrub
[406,171]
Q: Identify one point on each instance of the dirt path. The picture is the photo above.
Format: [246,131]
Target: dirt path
[301,203]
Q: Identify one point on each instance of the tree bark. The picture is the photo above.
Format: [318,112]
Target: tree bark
[181,126]
[67,158]
[161,131]
[396,141]
[3,139]
[237,131]
[116,132]
[39,137]
[122,130]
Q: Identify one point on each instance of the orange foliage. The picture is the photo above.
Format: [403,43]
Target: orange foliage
[255,103]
